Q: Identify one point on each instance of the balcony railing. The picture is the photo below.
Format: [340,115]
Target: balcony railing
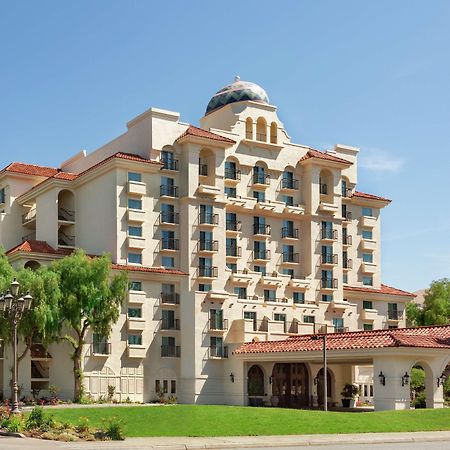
[340,329]
[170,164]
[260,178]
[218,324]
[261,229]
[208,271]
[203,170]
[347,264]
[233,225]
[170,324]
[30,215]
[232,174]
[65,239]
[234,251]
[346,215]
[168,191]
[101,348]
[395,315]
[173,351]
[170,244]
[329,283]
[347,240]
[248,135]
[170,298]
[208,219]
[288,232]
[208,245]
[289,257]
[328,258]
[169,217]
[289,183]
[329,233]
[66,214]
[261,254]
[347,192]
[218,351]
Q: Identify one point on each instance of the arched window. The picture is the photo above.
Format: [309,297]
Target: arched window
[273,133]
[249,128]
[261,130]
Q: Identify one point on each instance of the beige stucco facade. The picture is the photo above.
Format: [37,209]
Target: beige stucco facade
[261,238]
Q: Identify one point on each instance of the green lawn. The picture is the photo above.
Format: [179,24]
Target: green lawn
[188,420]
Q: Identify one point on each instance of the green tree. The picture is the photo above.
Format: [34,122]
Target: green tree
[90,300]
[436,307]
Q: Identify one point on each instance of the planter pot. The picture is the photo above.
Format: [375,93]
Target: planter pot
[346,402]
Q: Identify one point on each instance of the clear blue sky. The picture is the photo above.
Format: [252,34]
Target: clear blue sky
[374,75]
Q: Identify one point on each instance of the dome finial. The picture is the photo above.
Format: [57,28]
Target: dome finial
[237,78]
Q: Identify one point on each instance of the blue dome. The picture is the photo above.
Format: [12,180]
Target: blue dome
[237,91]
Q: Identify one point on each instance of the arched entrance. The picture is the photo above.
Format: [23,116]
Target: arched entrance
[255,386]
[320,387]
[290,385]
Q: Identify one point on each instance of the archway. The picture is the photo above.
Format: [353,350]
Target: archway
[32,265]
[290,385]
[417,389]
[320,386]
[255,386]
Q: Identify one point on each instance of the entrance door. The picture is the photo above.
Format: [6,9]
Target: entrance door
[291,385]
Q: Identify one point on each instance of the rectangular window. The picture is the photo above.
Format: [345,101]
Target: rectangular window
[134,258]
[157,386]
[367,234]
[202,287]
[134,231]
[134,339]
[231,222]
[134,203]
[298,297]
[240,291]
[288,199]
[367,280]
[260,269]
[232,267]
[309,319]
[260,196]
[250,315]
[367,304]
[230,192]
[168,261]
[367,326]
[2,196]
[345,278]
[327,297]
[289,272]
[135,286]
[344,188]
[367,257]
[338,324]
[367,212]
[134,312]
[173,386]
[133,176]
[269,295]
[165,386]
[279,317]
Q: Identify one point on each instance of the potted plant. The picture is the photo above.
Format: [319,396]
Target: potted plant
[349,394]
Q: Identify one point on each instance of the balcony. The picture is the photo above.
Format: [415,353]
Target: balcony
[218,324]
[170,298]
[136,215]
[203,170]
[171,218]
[395,316]
[170,164]
[232,175]
[262,230]
[208,246]
[233,226]
[328,259]
[289,233]
[170,351]
[170,324]
[368,315]
[271,280]
[368,267]
[289,257]
[261,255]
[218,352]
[233,252]
[136,242]
[135,323]
[207,271]
[328,207]
[137,188]
[136,351]
[209,190]
[346,216]
[368,221]
[289,184]
[322,328]
[30,216]
[168,191]
[66,215]
[170,244]
[347,240]
[241,276]
[208,219]
[328,234]
[294,210]
[328,283]
[137,297]
[368,244]
[66,240]
[340,329]
[100,349]
[261,179]
[347,264]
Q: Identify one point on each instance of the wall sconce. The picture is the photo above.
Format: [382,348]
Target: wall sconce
[232,377]
[382,378]
[270,379]
[405,379]
[441,379]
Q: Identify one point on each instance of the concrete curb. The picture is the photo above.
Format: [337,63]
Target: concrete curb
[11,434]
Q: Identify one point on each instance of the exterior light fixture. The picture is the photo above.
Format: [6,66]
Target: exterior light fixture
[270,379]
[232,377]
[441,379]
[382,378]
[405,379]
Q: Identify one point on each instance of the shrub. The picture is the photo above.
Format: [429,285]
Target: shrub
[38,420]
[15,424]
[114,429]
[420,401]
[111,392]
[83,425]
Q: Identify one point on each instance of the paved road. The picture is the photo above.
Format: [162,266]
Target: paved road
[389,446]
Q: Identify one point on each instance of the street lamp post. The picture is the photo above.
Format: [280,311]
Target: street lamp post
[13,307]
[323,337]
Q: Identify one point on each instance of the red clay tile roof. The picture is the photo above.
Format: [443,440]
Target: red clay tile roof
[161,270]
[385,289]
[65,176]
[422,337]
[370,196]
[311,153]
[198,132]
[30,169]
[32,246]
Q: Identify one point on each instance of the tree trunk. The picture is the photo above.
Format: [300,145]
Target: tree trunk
[78,373]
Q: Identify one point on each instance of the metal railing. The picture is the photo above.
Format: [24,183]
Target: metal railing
[261,254]
[289,257]
[347,240]
[203,170]
[340,329]
[260,178]
[329,233]
[288,232]
[218,324]
[347,264]
[329,283]
[248,135]
[30,215]
[170,324]
[101,348]
[208,271]
[65,239]
[208,219]
[170,298]
[66,214]
[206,245]
[169,217]
[261,229]
[170,164]
[233,225]
[233,250]
[289,183]
[395,315]
[232,174]
[218,351]
[170,244]
[173,351]
[328,258]
[261,137]
[168,191]
[346,215]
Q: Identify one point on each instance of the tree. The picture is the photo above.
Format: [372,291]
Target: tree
[436,307]
[90,300]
